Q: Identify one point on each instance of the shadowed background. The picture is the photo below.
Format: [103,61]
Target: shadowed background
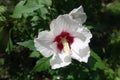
[21,20]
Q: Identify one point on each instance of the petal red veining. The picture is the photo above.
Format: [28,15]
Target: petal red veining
[67,36]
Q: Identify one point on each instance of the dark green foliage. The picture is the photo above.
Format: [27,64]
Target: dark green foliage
[42,64]
[28,44]
[21,20]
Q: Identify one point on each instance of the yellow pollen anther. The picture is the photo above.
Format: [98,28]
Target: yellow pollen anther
[65,44]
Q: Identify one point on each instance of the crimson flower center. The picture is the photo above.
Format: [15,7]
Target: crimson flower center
[63,37]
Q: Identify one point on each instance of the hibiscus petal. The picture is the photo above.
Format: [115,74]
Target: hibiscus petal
[86,32]
[81,59]
[78,44]
[80,50]
[83,34]
[60,60]
[78,15]
[63,23]
[44,43]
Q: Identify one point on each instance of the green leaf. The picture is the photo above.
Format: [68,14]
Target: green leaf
[43,12]
[2,18]
[45,2]
[118,71]
[114,8]
[22,8]
[35,18]
[95,61]
[2,61]
[2,9]
[42,64]
[1,29]
[28,44]
[115,37]
[99,65]
[18,10]
[9,46]
[95,56]
[117,78]
[28,6]
[34,54]
[89,26]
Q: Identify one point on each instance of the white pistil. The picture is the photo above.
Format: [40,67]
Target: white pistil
[65,44]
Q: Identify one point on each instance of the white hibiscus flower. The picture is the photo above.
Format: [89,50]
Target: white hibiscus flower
[66,39]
